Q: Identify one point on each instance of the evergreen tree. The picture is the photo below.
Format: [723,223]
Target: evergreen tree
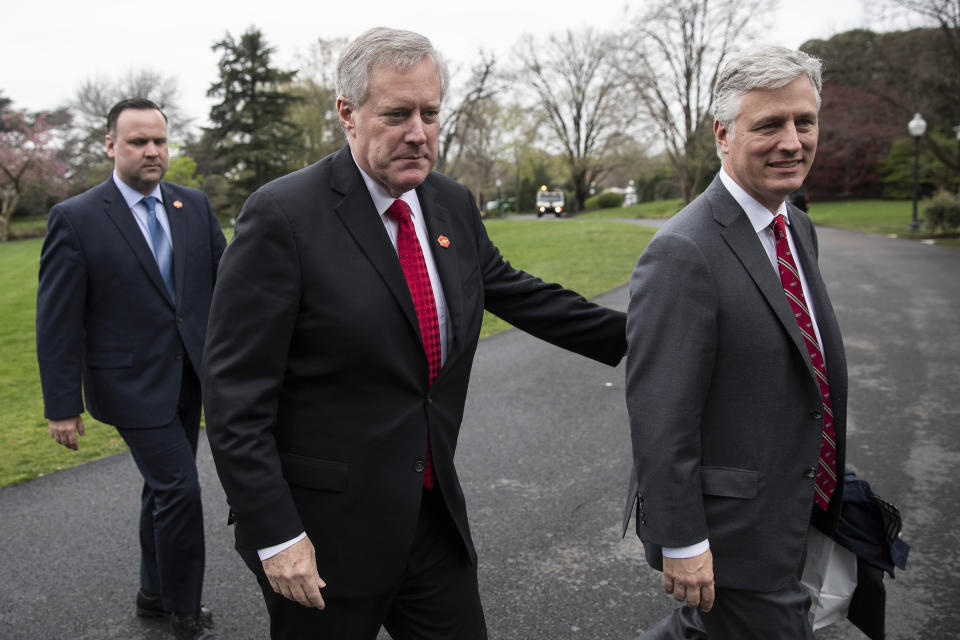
[253,137]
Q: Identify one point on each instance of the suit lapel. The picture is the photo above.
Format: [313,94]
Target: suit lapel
[117,210]
[358,214]
[440,224]
[178,235]
[741,237]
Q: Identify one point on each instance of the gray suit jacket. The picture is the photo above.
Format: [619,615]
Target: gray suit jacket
[725,411]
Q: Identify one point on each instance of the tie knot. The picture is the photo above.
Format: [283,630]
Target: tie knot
[779,226]
[399,211]
[150,202]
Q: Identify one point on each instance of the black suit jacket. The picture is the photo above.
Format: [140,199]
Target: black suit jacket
[104,314]
[724,404]
[316,384]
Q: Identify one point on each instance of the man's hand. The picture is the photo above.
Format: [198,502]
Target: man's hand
[293,574]
[65,431]
[690,580]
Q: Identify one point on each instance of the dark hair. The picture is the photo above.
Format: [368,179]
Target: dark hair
[130,103]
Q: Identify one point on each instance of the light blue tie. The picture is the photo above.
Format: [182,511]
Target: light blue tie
[161,247]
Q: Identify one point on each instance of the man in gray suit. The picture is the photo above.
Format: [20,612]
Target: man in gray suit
[736,377]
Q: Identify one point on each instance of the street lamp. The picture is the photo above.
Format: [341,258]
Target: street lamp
[499,197]
[917,127]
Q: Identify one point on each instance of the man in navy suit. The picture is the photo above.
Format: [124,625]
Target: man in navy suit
[126,279]
[335,379]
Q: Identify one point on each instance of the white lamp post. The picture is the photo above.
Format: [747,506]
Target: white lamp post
[917,127]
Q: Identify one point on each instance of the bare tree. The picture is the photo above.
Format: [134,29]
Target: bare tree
[672,55]
[460,121]
[577,86]
[316,114]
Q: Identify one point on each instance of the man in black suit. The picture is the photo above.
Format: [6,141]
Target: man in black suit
[736,376]
[126,278]
[336,370]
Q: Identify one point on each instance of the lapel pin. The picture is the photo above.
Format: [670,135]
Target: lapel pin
[177,204]
[443,241]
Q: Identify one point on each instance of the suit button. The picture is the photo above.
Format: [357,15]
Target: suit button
[811,472]
[418,466]
[816,414]
[179,319]
[179,356]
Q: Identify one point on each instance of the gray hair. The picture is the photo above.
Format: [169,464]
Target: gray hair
[762,68]
[383,47]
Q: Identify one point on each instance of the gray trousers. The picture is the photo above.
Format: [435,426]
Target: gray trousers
[741,615]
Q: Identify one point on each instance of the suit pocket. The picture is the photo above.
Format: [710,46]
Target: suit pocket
[314,473]
[109,359]
[729,483]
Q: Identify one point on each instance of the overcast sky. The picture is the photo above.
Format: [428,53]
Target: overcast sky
[49,48]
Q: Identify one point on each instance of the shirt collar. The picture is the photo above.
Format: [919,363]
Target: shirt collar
[759,216]
[130,195]
[381,198]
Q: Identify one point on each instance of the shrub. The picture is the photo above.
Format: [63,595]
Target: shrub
[942,212]
[605,200]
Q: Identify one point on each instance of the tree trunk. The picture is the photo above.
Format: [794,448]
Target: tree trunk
[9,205]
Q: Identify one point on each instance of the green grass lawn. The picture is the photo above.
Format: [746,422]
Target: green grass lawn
[656,209]
[26,449]
[869,216]
[588,256]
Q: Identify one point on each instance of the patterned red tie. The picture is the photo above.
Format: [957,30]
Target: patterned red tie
[418,280]
[790,277]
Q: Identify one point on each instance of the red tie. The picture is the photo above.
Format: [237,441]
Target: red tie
[790,277]
[418,280]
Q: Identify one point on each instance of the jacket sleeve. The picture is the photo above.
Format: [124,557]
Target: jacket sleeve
[61,295]
[546,310]
[252,317]
[671,337]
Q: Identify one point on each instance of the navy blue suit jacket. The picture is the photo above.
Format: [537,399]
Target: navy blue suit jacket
[104,314]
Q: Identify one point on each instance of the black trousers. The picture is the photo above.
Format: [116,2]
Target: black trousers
[438,598]
[172,552]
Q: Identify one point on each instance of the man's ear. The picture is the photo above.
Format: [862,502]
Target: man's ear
[723,135]
[345,111]
[108,145]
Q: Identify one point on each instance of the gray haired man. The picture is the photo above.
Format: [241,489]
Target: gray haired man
[342,334]
[736,380]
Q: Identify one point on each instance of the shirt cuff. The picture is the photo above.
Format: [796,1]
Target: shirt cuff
[269,552]
[686,552]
